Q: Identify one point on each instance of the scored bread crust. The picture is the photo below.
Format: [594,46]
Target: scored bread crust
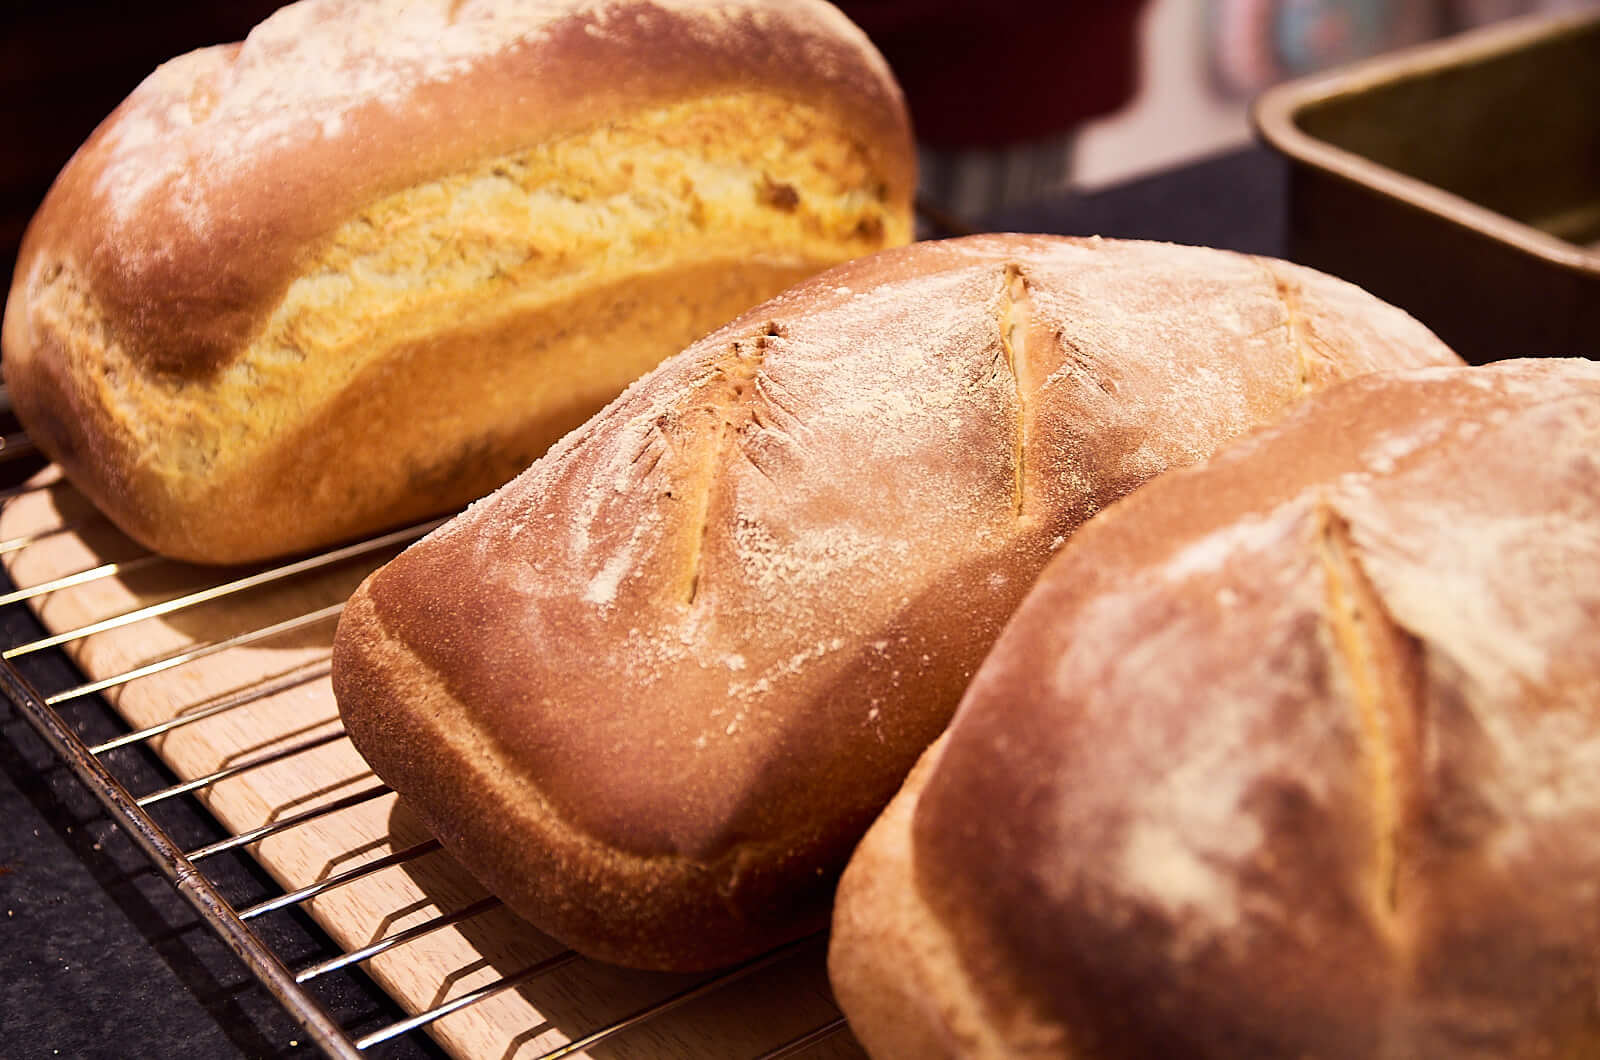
[712,630]
[266,231]
[1288,755]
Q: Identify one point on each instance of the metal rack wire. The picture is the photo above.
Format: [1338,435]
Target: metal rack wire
[186,869]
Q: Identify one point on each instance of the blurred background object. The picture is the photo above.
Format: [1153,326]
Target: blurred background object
[1203,60]
[999,88]
[1256,43]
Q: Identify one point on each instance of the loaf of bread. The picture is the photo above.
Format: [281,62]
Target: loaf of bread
[653,691]
[369,263]
[1296,754]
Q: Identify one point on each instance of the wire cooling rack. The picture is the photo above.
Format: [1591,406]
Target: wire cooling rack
[222,676]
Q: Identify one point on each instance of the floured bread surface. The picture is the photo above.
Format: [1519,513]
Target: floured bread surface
[654,689]
[1293,754]
[369,263]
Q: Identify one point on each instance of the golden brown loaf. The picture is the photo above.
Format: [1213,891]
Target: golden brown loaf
[654,690]
[1293,756]
[369,263]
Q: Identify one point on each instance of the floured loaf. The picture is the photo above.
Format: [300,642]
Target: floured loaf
[1290,755]
[653,690]
[369,263]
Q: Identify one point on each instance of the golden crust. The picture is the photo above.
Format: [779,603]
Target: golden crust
[899,974]
[1287,755]
[718,623]
[231,258]
[547,869]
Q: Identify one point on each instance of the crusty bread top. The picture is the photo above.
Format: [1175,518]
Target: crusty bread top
[758,523]
[1298,753]
[190,208]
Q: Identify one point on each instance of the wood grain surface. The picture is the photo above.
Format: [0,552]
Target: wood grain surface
[282,701]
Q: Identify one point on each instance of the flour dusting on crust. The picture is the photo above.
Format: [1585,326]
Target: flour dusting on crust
[302,73]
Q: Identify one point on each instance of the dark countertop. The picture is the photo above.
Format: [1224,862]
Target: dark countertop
[99,957]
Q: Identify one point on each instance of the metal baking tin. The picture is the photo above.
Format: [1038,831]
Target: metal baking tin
[1459,180]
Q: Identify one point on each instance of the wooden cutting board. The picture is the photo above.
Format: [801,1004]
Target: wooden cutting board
[52,531]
